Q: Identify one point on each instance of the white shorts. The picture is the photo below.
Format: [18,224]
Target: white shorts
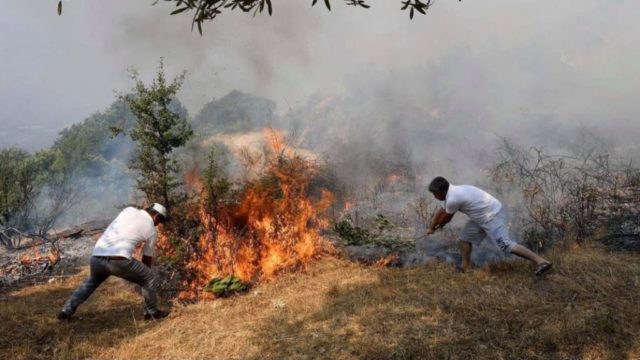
[495,229]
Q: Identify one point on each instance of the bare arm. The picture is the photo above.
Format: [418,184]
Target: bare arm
[440,219]
[147,260]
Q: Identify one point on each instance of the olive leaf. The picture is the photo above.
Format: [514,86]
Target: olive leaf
[208,10]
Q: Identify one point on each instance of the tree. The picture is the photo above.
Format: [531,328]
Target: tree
[206,10]
[35,190]
[216,188]
[235,112]
[159,129]
[20,183]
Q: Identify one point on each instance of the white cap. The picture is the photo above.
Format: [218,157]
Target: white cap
[160,209]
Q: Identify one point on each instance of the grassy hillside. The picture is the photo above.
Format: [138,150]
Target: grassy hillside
[586,309]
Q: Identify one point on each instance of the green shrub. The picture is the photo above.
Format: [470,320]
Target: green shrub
[351,234]
[224,286]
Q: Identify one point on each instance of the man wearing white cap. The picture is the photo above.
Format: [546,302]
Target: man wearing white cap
[112,255]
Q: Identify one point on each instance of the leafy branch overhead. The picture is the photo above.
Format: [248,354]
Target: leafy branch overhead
[207,10]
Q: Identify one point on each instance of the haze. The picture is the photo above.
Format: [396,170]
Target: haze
[546,65]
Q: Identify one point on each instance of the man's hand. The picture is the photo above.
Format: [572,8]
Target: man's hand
[440,219]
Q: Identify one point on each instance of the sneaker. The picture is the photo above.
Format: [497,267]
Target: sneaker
[63,316]
[159,314]
[543,268]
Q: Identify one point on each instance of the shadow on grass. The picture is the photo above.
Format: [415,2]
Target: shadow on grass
[29,328]
[433,313]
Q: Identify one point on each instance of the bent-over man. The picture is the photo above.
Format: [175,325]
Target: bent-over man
[112,255]
[487,219]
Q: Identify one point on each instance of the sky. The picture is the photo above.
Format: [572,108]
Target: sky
[540,64]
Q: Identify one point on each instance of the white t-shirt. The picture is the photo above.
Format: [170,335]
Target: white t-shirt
[129,228]
[476,203]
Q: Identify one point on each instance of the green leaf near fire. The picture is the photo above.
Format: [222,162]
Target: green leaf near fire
[224,286]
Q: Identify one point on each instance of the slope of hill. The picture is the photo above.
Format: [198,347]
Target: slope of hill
[585,309]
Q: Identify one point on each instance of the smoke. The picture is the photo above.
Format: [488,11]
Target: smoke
[496,65]
[439,90]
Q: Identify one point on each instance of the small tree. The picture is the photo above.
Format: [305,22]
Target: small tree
[20,184]
[216,185]
[35,190]
[63,186]
[160,128]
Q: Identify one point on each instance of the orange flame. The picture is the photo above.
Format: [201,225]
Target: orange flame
[386,260]
[34,257]
[275,225]
[348,205]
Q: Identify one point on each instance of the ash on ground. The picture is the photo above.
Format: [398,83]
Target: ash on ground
[422,251]
[61,254]
[43,261]
[389,228]
[40,259]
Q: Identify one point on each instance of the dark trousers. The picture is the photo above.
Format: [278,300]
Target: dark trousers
[131,270]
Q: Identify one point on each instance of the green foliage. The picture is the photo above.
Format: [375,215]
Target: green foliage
[352,234]
[383,223]
[88,145]
[224,286]
[235,112]
[216,184]
[80,144]
[82,151]
[89,160]
[61,186]
[38,189]
[35,190]
[355,235]
[21,181]
[157,132]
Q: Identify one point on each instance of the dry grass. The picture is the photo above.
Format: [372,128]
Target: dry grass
[586,309]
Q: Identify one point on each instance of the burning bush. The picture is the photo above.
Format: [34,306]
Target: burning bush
[252,230]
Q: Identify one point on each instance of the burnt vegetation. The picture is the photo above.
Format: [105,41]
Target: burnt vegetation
[577,196]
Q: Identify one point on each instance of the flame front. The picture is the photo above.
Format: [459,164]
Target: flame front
[274,225]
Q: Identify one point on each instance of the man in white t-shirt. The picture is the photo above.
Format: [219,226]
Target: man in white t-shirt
[112,255]
[487,219]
